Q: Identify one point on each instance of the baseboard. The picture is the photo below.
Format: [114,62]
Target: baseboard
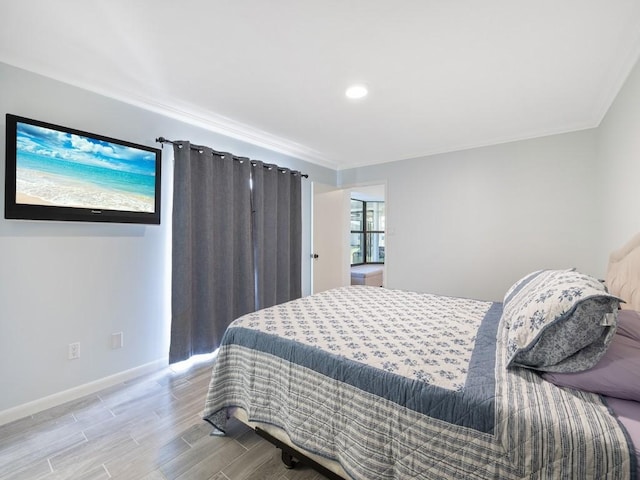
[27,409]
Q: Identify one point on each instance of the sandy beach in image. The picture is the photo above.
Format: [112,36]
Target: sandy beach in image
[34,187]
[25,199]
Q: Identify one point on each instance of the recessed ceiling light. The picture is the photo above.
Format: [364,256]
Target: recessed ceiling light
[356,91]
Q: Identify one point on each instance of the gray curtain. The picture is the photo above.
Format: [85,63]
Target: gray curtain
[277,234]
[212,276]
[235,248]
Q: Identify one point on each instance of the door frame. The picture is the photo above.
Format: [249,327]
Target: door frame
[318,187]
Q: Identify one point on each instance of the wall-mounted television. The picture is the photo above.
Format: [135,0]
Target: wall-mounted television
[60,173]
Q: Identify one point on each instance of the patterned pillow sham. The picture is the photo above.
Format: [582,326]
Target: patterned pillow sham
[559,321]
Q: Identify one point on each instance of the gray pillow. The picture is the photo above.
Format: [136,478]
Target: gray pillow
[559,321]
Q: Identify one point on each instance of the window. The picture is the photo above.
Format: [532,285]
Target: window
[367,232]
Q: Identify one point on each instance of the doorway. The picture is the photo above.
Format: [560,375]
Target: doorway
[368,235]
[331,232]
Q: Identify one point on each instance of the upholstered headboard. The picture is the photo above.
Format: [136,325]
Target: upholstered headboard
[623,274]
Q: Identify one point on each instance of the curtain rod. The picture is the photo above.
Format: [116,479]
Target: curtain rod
[222,154]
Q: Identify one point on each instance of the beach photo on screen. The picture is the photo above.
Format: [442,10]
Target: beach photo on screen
[69,170]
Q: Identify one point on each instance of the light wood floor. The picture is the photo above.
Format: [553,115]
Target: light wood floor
[147,429]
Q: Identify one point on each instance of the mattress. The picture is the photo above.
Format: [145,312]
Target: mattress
[395,385]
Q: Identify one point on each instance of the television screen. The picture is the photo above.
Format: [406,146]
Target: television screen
[59,173]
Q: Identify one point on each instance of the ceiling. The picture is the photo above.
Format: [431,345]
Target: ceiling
[443,75]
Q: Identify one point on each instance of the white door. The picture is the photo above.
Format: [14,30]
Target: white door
[330,238]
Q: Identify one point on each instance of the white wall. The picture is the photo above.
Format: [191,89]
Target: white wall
[469,223]
[472,222]
[619,155]
[67,282]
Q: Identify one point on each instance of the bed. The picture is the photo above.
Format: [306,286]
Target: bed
[373,383]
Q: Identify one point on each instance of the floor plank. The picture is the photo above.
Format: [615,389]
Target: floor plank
[149,428]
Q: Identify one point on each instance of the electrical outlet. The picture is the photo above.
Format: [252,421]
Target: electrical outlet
[117,340]
[74,350]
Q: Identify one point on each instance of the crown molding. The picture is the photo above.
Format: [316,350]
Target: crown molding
[207,120]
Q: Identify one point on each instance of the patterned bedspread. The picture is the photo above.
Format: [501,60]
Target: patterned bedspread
[402,385]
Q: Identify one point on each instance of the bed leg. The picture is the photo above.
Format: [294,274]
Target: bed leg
[291,458]
[288,460]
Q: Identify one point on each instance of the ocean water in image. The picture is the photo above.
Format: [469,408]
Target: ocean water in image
[72,171]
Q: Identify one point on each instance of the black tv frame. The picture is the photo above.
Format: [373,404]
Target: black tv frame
[35,211]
